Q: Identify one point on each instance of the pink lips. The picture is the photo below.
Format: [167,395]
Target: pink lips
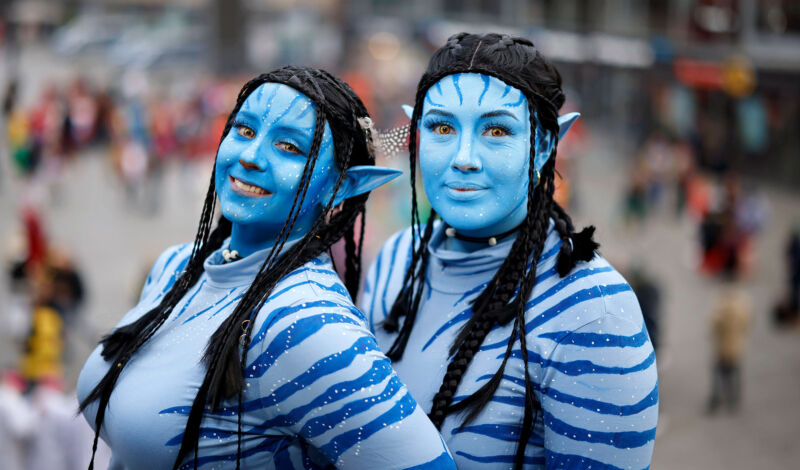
[464,191]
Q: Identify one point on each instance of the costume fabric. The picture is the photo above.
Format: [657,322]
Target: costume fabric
[318,391]
[590,358]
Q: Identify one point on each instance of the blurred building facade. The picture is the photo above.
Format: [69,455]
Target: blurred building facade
[721,74]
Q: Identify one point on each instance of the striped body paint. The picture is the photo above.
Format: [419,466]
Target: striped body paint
[589,354]
[318,391]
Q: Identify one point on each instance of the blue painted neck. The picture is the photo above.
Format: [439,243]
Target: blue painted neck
[249,238]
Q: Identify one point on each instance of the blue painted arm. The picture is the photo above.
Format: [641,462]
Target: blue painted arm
[600,394]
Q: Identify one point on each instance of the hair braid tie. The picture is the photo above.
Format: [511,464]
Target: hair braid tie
[453,41]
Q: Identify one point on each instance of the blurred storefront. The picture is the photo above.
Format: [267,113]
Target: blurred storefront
[721,74]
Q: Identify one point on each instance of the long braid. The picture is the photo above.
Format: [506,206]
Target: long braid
[221,381]
[353,257]
[318,240]
[498,309]
[531,404]
[408,300]
[121,344]
[517,63]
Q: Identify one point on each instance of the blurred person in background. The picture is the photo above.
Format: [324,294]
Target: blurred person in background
[80,117]
[636,204]
[527,349]
[684,173]
[787,310]
[793,263]
[730,323]
[61,437]
[133,151]
[648,293]
[103,130]
[728,230]
[252,319]
[17,421]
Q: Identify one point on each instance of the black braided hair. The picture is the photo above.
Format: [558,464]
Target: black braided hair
[516,62]
[339,107]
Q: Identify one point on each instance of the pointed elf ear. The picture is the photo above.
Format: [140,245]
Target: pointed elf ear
[409,110]
[363,178]
[565,122]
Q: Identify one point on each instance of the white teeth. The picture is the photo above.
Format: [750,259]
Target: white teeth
[248,187]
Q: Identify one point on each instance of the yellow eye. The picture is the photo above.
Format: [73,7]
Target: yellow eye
[443,129]
[496,132]
[245,131]
[291,148]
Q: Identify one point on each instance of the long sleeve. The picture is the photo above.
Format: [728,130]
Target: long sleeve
[324,379]
[169,263]
[600,395]
[385,278]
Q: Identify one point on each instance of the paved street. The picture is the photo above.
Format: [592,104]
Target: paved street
[114,245]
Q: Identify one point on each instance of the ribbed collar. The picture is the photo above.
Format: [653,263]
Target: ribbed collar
[237,273]
[455,272]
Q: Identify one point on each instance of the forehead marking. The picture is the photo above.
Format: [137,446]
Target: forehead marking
[455,79]
[306,108]
[430,101]
[519,101]
[269,101]
[288,108]
[485,88]
[439,88]
[505,92]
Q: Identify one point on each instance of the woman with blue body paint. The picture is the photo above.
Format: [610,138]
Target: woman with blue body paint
[527,349]
[245,349]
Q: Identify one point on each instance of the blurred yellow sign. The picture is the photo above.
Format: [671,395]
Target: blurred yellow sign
[738,76]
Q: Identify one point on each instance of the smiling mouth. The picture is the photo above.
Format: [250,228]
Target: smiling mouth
[245,189]
[464,188]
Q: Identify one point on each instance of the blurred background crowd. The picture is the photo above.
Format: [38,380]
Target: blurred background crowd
[686,158]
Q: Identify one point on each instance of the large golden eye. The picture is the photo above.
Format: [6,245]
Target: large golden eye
[496,132]
[443,129]
[245,131]
[291,148]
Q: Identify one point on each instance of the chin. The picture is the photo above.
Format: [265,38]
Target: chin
[235,213]
[472,224]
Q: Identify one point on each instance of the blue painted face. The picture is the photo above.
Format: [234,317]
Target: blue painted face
[474,153]
[260,163]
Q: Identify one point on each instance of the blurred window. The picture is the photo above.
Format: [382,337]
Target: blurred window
[778,17]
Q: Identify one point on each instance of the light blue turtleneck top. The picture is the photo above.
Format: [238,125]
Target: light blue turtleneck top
[589,354]
[318,391]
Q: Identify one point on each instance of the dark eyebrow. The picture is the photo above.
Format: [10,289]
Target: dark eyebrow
[246,114]
[441,113]
[498,113]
